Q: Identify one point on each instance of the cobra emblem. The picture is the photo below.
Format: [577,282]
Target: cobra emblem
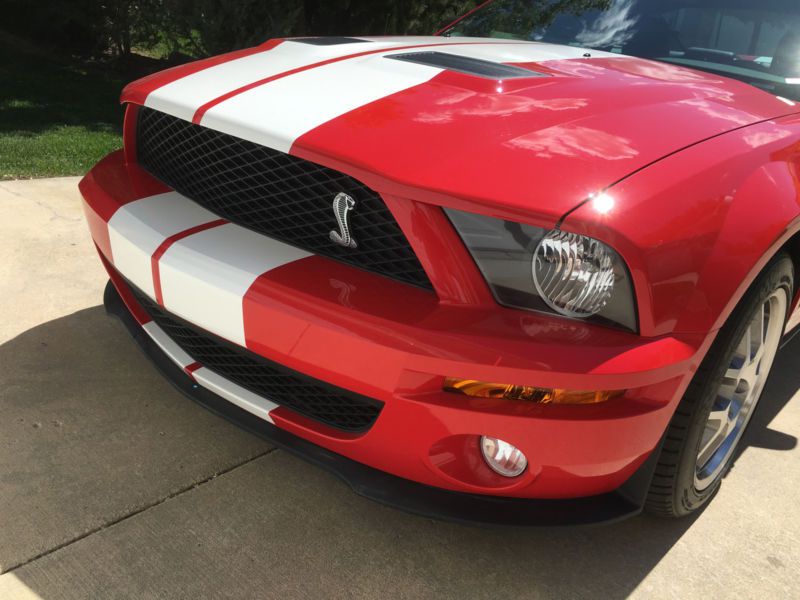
[342,205]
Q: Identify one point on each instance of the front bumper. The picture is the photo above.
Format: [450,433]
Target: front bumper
[384,340]
[416,498]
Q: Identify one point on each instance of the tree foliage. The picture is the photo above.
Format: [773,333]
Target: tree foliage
[203,27]
[343,17]
[527,15]
[86,27]
[206,27]
[67,24]
[126,24]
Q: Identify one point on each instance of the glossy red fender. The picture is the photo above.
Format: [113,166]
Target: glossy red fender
[698,227]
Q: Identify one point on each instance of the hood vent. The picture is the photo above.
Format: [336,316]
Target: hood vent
[465,64]
[329,41]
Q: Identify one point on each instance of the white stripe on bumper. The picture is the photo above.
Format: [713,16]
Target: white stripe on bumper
[260,407]
[252,403]
[170,348]
[137,230]
[205,276]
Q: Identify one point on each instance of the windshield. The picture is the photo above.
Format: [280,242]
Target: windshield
[756,41]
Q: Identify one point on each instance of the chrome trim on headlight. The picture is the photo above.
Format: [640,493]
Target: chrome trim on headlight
[573,274]
[551,271]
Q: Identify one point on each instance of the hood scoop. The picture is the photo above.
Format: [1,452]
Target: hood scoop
[329,41]
[467,65]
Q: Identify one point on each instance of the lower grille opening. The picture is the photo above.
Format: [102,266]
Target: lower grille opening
[310,397]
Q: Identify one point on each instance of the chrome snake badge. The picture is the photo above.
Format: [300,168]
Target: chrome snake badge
[342,205]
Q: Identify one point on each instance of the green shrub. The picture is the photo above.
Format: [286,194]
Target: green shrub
[203,27]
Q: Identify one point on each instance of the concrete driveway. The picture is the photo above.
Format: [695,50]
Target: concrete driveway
[114,485]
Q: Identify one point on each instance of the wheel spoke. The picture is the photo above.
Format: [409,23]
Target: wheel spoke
[747,345]
[749,375]
[714,434]
[731,378]
[759,357]
[740,388]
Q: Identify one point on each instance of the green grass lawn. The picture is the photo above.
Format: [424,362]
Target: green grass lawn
[56,117]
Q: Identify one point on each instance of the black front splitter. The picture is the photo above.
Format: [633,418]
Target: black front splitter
[403,494]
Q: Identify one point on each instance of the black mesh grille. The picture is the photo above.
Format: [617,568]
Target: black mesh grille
[273,193]
[314,399]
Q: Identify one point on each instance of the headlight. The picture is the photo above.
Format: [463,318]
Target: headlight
[553,271]
[573,274]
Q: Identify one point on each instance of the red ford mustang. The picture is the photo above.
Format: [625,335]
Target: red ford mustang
[534,270]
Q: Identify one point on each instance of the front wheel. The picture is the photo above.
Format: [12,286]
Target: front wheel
[711,419]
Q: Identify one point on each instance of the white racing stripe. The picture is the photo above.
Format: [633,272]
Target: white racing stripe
[170,348]
[279,112]
[297,104]
[252,403]
[182,98]
[137,230]
[205,276]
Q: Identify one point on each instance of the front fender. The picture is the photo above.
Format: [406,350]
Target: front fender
[697,227]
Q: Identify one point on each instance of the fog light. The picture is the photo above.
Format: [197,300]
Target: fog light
[502,457]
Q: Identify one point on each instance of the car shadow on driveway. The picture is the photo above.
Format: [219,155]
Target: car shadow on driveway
[89,433]
[113,484]
[783,384]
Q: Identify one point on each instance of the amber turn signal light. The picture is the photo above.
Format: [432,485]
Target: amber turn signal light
[483,389]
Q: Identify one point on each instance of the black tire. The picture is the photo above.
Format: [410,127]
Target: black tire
[673,492]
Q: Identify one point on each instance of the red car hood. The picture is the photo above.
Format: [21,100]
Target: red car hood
[533,146]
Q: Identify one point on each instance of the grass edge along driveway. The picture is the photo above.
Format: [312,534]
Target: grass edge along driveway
[57,117]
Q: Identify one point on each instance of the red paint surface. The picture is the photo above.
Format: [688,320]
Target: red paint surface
[190,369]
[441,253]
[539,147]
[129,132]
[124,291]
[108,186]
[698,228]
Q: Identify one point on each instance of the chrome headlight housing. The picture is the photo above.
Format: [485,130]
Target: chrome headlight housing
[573,274]
[552,271]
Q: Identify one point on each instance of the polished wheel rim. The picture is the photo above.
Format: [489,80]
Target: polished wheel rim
[740,389]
